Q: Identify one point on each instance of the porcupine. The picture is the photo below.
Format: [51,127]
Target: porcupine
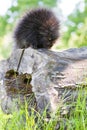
[38,28]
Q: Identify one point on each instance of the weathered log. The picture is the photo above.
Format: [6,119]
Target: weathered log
[56,76]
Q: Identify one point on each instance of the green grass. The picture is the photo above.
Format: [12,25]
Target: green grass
[22,120]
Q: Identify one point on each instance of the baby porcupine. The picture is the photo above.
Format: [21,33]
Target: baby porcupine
[39,28]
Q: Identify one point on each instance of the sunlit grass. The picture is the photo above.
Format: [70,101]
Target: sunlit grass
[22,120]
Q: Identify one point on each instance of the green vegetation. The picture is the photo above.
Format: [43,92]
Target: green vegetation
[76,27]
[21,120]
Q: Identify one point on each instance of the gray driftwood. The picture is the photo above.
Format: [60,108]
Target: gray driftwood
[56,76]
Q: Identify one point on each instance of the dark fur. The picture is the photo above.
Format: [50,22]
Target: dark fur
[39,28]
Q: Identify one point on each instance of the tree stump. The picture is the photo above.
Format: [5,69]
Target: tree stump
[56,76]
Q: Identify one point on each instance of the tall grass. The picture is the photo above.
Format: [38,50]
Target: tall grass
[22,120]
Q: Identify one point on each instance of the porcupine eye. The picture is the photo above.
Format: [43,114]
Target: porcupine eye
[49,39]
[49,42]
